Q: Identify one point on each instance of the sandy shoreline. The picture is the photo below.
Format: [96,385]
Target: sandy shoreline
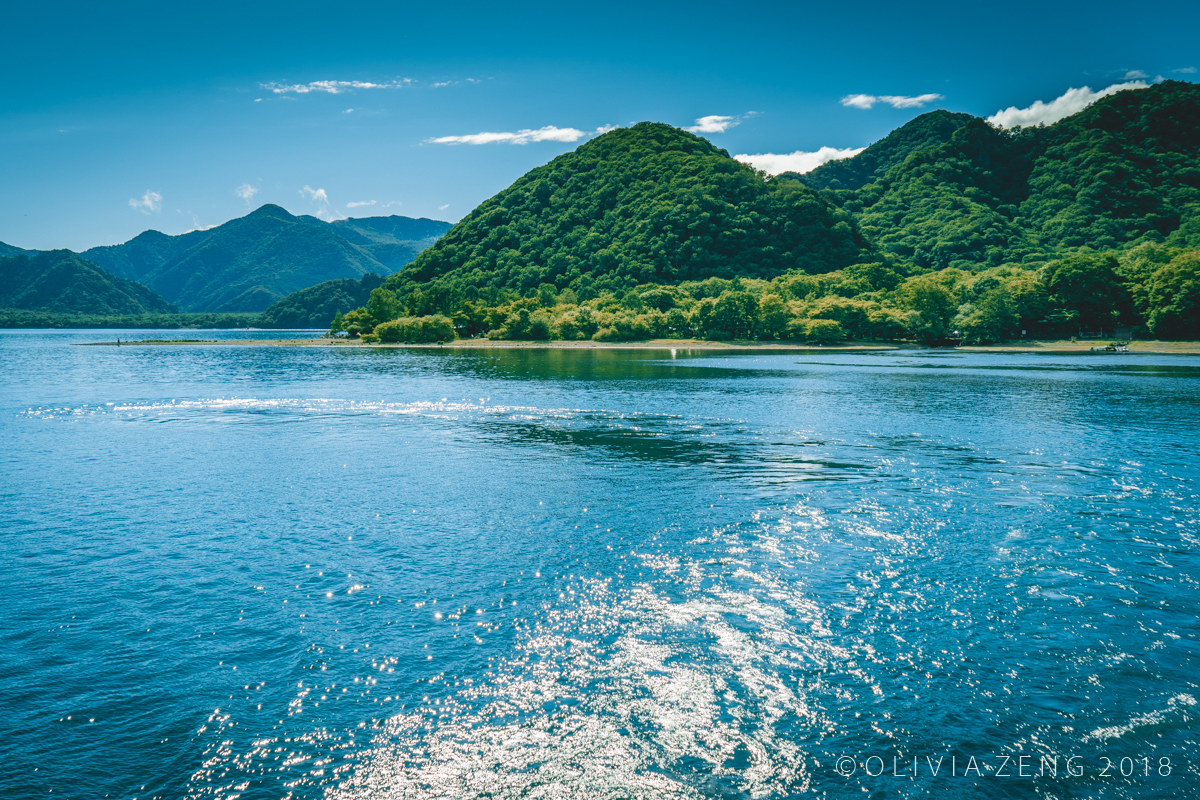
[1048,347]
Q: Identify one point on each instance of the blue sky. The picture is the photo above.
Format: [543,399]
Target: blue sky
[178,116]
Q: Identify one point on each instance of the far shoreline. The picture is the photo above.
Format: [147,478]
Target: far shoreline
[1052,347]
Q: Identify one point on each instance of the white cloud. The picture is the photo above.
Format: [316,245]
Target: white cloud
[546,134]
[1069,102]
[1135,75]
[258,99]
[896,101]
[799,161]
[443,208]
[360,204]
[151,201]
[246,192]
[441,84]
[315,194]
[391,203]
[714,123]
[348,111]
[1185,71]
[866,101]
[319,197]
[332,87]
[863,101]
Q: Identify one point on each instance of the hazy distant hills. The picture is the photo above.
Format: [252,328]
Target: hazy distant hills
[248,263]
[61,281]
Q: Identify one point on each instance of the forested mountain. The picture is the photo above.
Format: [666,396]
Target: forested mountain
[949,227]
[1125,170]
[61,281]
[927,130]
[249,263]
[8,251]
[315,306]
[144,253]
[647,203]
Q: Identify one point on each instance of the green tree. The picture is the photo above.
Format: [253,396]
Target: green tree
[1175,298]
[383,305]
[934,304]
[991,318]
[735,316]
[1089,286]
[774,315]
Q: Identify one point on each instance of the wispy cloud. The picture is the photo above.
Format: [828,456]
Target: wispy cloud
[319,197]
[1185,71]
[246,192]
[1069,102]
[391,203]
[866,101]
[332,87]
[547,134]
[360,204]
[440,84]
[714,123]
[799,161]
[315,194]
[151,201]
[1136,75]
[443,208]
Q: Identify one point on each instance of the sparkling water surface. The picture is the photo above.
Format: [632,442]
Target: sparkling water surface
[275,572]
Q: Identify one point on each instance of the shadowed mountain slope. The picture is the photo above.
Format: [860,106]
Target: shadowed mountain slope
[61,281]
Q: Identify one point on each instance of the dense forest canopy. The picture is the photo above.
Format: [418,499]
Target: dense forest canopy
[1123,171]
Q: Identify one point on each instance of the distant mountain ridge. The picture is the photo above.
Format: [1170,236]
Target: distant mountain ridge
[251,262]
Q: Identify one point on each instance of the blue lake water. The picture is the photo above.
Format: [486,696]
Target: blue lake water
[266,572]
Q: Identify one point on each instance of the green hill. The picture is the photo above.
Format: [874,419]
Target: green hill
[249,263]
[649,203]
[927,130]
[61,281]
[1124,171]
[316,306]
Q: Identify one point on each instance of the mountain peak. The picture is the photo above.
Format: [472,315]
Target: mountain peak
[929,129]
[270,210]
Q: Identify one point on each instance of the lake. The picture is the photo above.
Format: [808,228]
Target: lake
[273,572]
